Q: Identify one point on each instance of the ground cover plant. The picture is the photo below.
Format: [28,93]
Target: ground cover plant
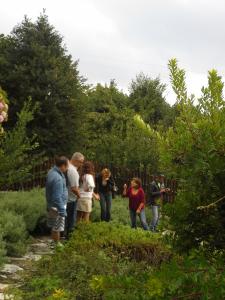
[112,261]
[21,212]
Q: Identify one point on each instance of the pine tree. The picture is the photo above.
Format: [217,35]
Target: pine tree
[35,64]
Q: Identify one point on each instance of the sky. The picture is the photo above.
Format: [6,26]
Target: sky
[117,39]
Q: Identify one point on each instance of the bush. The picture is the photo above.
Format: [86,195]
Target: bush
[14,233]
[21,213]
[29,205]
[99,249]
[193,151]
[2,249]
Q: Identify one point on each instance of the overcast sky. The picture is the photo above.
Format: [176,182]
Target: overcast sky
[116,39]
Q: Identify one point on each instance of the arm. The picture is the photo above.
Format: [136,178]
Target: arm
[142,204]
[154,191]
[98,179]
[90,182]
[76,191]
[73,179]
[58,197]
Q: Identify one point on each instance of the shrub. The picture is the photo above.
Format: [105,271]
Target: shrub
[29,205]
[193,151]
[2,248]
[100,249]
[14,233]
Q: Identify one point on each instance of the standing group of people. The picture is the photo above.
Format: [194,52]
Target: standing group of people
[70,190]
[71,187]
[138,201]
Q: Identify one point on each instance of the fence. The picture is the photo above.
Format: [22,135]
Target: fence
[121,175]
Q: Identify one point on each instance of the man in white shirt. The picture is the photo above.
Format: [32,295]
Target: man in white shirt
[73,189]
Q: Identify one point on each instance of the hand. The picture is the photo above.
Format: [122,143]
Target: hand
[96,196]
[138,211]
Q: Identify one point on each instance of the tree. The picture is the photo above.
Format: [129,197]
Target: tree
[146,98]
[112,131]
[194,152]
[15,146]
[34,63]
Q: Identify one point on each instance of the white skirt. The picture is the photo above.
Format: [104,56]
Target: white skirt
[84,204]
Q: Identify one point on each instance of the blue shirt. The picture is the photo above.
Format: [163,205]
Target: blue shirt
[56,191]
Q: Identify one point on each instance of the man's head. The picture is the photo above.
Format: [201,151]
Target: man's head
[61,162]
[156,178]
[77,159]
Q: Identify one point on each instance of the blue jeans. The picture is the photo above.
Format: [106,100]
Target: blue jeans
[105,203]
[71,216]
[155,217]
[133,217]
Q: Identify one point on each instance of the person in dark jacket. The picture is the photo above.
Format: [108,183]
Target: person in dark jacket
[155,201]
[105,187]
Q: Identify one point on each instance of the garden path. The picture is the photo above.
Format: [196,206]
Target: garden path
[10,273]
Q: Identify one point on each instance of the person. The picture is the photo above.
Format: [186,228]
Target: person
[73,178]
[136,197]
[105,187]
[56,197]
[156,193]
[84,203]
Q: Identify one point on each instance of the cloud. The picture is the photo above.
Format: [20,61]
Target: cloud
[119,38]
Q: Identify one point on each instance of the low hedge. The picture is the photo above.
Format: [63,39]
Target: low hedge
[20,215]
[30,205]
[102,249]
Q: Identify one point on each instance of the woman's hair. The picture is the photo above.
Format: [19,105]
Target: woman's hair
[106,172]
[88,168]
[137,181]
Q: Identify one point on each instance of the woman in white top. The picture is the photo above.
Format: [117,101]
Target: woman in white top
[84,203]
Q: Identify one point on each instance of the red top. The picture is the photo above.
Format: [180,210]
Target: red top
[136,200]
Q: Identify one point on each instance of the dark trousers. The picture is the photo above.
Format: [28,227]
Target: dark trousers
[105,203]
[71,210]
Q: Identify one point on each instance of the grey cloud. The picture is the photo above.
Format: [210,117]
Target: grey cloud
[119,38]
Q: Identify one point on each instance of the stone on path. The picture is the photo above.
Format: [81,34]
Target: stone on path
[10,269]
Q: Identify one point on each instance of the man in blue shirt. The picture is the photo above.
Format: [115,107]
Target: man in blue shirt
[56,197]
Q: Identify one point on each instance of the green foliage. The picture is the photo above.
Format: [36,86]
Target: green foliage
[194,152]
[16,148]
[14,234]
[112,134]
[2,248]
[146,98]
[34,63]
[100,250]
[21,213]
[29,205]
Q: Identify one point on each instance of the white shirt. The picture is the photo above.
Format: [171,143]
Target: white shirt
[73,181]
[87,187]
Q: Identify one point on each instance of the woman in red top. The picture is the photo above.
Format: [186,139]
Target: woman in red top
[136,197]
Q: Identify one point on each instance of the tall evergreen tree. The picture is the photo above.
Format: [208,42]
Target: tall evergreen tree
[35,64]
[147,99]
